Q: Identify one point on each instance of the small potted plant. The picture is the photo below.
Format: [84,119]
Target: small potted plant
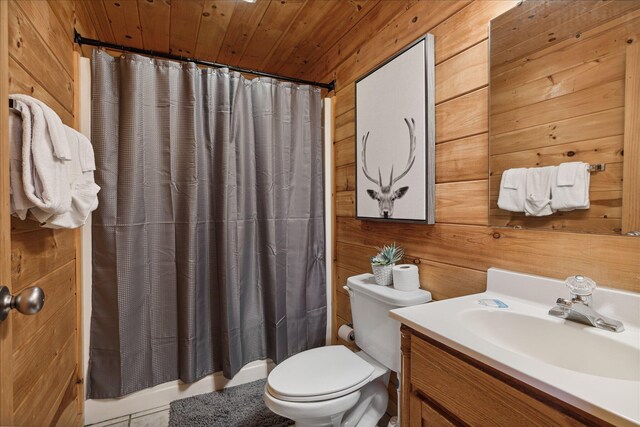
[382,264]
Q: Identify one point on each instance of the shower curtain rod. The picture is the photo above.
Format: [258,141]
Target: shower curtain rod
[77,38]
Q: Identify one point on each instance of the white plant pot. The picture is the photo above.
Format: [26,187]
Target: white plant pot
[383,274]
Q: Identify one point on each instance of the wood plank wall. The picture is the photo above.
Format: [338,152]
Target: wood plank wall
[455,253]
[564,103]
[47,347]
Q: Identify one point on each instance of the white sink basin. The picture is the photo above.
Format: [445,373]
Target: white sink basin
[567,345]
[592,369]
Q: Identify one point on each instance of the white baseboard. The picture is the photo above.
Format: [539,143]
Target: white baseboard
[98,410]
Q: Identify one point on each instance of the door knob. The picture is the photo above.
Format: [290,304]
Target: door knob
[29,301]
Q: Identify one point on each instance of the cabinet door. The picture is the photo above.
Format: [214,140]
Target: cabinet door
[474,396]
[432,418]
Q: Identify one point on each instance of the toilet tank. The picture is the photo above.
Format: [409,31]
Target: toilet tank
[376,333]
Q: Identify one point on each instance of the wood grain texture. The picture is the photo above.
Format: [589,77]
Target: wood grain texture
[453,258]
[631,177]
[45,353]
[6,335]
[481,396]
[564,103]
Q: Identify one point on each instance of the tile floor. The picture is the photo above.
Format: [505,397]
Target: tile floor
[157,417]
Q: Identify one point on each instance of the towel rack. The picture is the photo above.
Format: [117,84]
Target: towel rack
[598,167]
[11,104]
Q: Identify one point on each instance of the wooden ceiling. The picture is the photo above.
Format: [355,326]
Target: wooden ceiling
[287,37]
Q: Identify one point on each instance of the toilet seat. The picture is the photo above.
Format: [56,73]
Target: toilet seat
[318,374]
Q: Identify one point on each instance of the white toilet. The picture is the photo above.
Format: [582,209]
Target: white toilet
[332,386]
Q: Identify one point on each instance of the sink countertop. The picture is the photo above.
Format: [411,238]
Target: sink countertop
[612,393]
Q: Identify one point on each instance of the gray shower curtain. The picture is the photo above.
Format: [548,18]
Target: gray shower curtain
[208,244]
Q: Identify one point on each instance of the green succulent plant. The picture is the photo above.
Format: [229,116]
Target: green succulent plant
[388,254]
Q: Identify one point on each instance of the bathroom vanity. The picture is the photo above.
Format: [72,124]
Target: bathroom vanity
[445,387]
[465,363]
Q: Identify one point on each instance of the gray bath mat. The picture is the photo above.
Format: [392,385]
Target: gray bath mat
[240,406]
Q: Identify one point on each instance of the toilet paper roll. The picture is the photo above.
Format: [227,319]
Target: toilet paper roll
[406,277]
[345,332]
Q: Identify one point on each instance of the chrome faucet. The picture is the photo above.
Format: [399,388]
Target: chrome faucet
[578,308]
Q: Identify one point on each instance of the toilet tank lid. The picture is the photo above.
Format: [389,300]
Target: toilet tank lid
[366,284]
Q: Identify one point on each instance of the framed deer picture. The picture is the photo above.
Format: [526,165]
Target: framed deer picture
[395,137]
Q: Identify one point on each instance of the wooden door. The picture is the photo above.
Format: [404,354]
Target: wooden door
[40,355]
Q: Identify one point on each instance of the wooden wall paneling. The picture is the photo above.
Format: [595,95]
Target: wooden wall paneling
[419,19]
[342,274]
[6,342]
[465,159]
[462,73]
[587,86]
[185,24]
[215,20]
[631,178]
[610,260]
[582,76]
[467,27]
[605,39]
[583,15]
[57,37]
[450,281]
[20,81]
[345,151]
[462,202]
[527,13]
[602,150]
[30,51]
[345,203]
[345,125]
[343,307]
[589,126]
[591,100]
[345,99]
[345,178]
[463,116]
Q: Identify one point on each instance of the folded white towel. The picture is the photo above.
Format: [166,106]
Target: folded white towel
[20,204]
[512,190]
[45,152]
[570,187]
[538,191]
[84,190]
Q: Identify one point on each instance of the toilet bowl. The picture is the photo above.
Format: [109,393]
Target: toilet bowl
[329,386]
[333,386]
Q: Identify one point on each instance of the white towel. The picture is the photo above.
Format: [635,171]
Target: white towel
[45,152]
[20,204]
[538,191]
[512,190]
[570,187]
[84,190]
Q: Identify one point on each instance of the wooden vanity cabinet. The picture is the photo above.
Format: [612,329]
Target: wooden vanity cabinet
[443,387]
